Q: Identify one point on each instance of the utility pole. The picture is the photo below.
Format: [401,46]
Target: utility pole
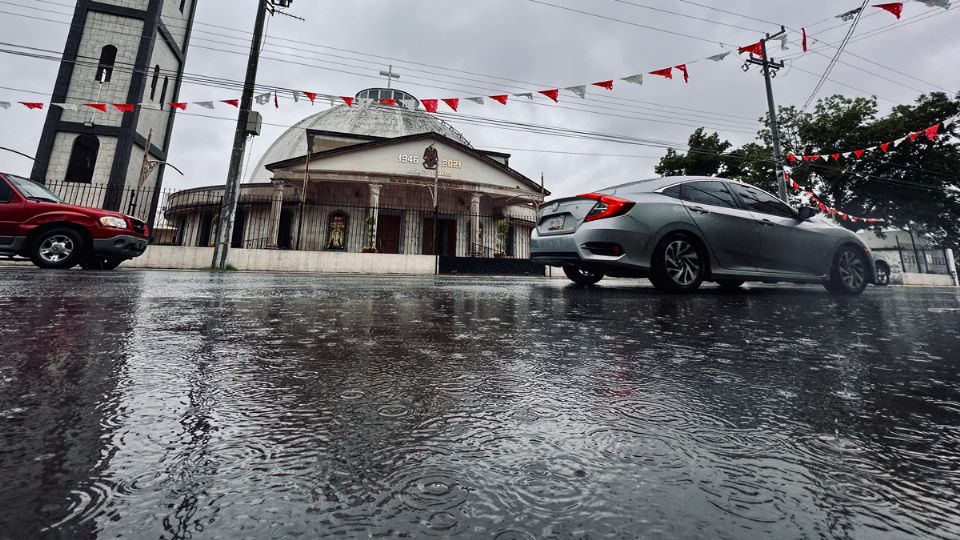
[770,68]
[231,192]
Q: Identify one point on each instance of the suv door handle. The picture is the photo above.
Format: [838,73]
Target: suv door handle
[699,210]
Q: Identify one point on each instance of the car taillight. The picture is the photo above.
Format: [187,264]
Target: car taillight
[607,206]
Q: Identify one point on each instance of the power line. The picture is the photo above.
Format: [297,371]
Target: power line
[833,62]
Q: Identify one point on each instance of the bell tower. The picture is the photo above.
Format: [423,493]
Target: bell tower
[117,52]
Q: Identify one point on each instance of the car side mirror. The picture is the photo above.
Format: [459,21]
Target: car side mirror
[806,212]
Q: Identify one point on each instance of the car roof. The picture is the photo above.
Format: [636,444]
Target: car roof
[653,184]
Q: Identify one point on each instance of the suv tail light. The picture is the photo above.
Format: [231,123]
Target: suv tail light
[607,206]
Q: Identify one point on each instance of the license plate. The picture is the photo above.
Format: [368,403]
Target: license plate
[556,223]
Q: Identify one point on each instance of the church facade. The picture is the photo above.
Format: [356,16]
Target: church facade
[352,179]
[117,51]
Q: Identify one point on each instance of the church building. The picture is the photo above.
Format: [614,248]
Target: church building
[352,179]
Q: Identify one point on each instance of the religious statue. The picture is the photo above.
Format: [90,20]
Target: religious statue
[337,232]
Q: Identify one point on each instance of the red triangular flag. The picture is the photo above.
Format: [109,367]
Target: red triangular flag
[756,48]
[31,105]
[347,100]
[123,107]
[931,132]
[552,94]
[859,153]
[914,135]
[791,158]
[389,102]
[605,84]
[804,43]
[177,105]
[686,76]
[893,7]
[502,98]
[312,96]
[234,102]
[796,186]
[821,206]
[102,107]
[276,101]
[836,157]
[885,147]
[853,218]
[452,103]
[430,105]
[665,72]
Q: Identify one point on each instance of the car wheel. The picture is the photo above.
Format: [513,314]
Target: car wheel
[848,275]
[59,248]
[582,277]
[679,265]
[730,284]
[883,274]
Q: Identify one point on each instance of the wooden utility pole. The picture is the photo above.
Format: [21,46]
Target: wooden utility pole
[770,68]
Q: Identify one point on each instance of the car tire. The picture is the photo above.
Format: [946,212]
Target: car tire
[60,248]
[848,274]
[730,284]
[679,264]
[582,277]
[883,274]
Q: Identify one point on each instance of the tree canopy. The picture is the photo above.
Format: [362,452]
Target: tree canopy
[916,185]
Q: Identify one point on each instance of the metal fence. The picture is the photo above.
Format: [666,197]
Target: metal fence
[268,220]
[916,260]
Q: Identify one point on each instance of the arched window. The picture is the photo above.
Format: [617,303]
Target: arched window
[108,56]
[153,83]
[163,92]
[83,159]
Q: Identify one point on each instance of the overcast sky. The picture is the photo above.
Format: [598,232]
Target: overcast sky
[510,46]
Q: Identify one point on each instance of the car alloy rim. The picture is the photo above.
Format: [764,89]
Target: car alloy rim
[56,248]
[682,262]
[882,275]
[851,269]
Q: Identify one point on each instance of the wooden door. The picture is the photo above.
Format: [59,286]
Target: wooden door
[388,233]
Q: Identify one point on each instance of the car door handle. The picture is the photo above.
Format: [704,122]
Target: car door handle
[699,210]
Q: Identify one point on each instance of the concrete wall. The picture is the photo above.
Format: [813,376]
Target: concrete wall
[195,258]
[927,280]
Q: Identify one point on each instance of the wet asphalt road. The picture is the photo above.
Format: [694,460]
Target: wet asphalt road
[189,405]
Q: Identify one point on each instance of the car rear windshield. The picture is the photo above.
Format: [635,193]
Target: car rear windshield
[32,190]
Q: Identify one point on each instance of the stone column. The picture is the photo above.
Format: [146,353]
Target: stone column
[375,213]
[475,248]
[275,209]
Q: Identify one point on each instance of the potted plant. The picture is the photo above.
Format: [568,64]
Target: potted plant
[371,223]
[503,229]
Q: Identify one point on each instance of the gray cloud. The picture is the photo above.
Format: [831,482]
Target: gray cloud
[500,40]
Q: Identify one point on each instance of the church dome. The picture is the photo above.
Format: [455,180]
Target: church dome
[366,117]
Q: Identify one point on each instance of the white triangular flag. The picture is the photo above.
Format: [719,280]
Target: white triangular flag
[872,148]
[580,90]
[634,79]
[204,104]
[264,98]
[783,43]
[849,16]
[66,106]
[847,154]
[528,95]
[296,96]
[899,141]
[719,57]
[945,4]
[152,106]
[949,122]
[477,100]
[825,157]
[4,104]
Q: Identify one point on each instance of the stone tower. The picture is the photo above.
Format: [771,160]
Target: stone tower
[124,52]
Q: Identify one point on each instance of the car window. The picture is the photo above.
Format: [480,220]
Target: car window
[5,191]
[33,190]
[712,193]
[672,191]
[757,200]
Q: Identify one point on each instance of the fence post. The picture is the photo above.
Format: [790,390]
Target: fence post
[952,266]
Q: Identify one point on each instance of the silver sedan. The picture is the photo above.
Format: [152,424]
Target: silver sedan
[682,231]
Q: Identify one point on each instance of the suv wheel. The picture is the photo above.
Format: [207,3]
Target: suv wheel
[883,274]
[582,277]
[848,275]
[60,248]
[679,265]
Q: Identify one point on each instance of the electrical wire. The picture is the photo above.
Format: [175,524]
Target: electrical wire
[833,62]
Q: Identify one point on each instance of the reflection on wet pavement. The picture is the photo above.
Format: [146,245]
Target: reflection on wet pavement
[178,405]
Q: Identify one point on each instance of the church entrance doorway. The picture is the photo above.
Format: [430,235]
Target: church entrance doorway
[447,237]
[388,233]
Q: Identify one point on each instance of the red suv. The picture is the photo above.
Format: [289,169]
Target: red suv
[34,223]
